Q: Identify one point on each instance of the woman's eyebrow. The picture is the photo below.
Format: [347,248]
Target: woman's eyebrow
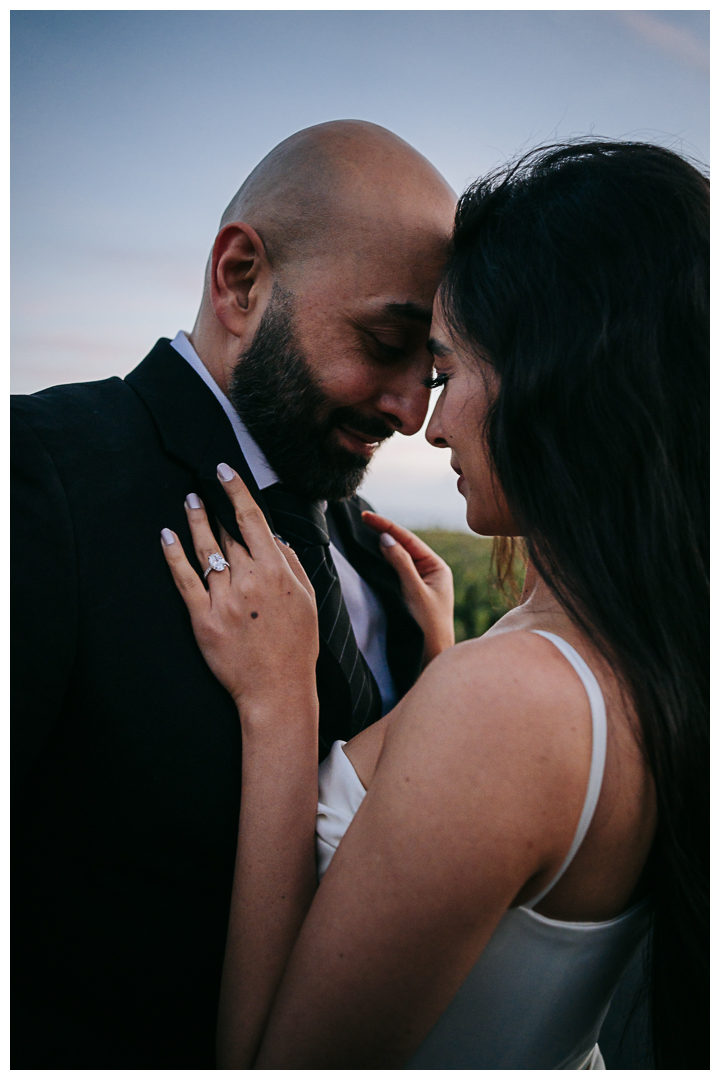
[434,347]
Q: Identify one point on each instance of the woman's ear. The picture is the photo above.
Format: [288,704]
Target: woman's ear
[240,277]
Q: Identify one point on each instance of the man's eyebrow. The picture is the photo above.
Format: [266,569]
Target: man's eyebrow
[434,347]
[410,310]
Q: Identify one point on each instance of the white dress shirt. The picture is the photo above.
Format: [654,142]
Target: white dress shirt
[367,617]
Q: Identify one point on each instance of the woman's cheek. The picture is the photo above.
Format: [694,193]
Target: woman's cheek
[487,512]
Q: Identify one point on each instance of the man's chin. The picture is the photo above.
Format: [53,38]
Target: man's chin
[345,462]
[344,482]
[337,478]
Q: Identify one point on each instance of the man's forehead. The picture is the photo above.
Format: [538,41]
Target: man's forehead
[369,289]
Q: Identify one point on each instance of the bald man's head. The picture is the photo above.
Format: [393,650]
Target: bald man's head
[332,181]
[318,299]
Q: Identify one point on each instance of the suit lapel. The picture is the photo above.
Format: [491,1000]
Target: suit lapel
[193,427]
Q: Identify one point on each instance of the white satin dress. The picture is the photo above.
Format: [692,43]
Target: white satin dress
[537,996]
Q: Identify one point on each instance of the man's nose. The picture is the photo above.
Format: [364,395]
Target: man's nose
[406,411]
[433,432]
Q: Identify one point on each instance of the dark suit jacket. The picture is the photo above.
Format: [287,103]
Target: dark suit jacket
[126,751]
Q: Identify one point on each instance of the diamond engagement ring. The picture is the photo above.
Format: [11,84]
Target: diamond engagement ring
[217,562]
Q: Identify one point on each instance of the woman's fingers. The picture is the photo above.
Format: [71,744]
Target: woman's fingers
[426,582]
[250,518]
[204,540]
[422,555]
[295,565]
[189,584]
[238,556]
[402,561]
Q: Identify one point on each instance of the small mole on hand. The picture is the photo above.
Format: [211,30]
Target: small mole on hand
[253,614]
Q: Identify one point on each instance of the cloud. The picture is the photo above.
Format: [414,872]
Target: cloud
[677,40]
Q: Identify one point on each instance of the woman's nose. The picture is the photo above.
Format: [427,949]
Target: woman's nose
[433,432]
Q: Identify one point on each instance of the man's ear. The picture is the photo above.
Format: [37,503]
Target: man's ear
[240,277]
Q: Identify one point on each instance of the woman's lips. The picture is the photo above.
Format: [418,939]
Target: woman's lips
[460,475]
[357,442]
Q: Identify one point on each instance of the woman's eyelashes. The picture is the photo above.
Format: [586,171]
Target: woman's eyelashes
[438,378]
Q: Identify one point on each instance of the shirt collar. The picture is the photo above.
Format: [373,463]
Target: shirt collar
[252,453]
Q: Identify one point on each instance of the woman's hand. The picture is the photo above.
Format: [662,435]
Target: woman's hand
[427,582]
[256,623]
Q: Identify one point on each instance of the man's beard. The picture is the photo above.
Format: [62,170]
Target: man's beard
[290,417]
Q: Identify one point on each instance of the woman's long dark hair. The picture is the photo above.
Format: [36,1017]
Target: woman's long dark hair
[581,274]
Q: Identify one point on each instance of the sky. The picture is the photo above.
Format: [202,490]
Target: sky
[131,131]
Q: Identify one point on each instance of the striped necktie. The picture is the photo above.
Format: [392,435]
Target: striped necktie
[303,524]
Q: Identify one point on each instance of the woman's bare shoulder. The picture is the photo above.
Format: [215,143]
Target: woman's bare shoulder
[490,677]
[506,697]
[501,712]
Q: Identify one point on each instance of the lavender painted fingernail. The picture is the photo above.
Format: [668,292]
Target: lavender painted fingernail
[386,540]
[193,501]
[225,472]
[167,537]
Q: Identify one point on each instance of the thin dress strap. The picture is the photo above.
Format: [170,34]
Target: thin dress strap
[597,760]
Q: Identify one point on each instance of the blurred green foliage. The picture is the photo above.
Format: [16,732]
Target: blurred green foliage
[479,602]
